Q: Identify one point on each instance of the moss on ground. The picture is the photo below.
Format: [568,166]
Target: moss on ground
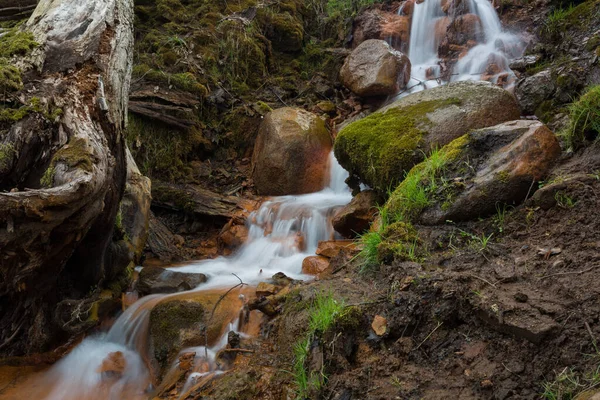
[383,146]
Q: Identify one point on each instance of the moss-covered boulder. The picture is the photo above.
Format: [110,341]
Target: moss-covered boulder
[374,68]
[382,147]
[174,325]
[291,153]
[477,174]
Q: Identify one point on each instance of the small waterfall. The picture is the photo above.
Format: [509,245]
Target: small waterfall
[282,233]
[486,59]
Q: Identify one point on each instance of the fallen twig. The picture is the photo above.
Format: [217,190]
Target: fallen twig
[569,273]
[483,280]
[428,336]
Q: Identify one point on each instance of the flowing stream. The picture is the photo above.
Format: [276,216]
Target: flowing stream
[282,233]
[488,59]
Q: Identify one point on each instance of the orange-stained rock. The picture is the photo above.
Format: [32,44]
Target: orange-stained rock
[186,361]
[291,153]
[113,365]
[331,248]
[462,32]
[408,8]
[356,217]
[395,28]
[315,265]
[374,68]
[233,236]
[266,289]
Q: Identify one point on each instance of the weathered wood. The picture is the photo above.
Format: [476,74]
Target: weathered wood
[192,199]
[66,174]
[161,241]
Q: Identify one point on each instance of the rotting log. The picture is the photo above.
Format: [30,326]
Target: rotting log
[193,200]
[63,171]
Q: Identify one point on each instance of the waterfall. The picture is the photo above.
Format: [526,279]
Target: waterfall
[486,59]
[282,233]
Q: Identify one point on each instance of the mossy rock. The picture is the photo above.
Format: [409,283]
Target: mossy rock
[382,147]
[173,326]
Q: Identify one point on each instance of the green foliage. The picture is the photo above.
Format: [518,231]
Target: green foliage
[563,200]
[324,311]
[584,118]
[569,384]
[7,152]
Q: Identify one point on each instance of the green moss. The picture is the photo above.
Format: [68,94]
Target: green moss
[7,153]
[168,320]
[179,198]
[502,176]
[10,78]
[75,154]
[383,146]
[47,179]
[13,114]
[16,42]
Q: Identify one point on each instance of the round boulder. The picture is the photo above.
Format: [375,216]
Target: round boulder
[374,68]
[291,153]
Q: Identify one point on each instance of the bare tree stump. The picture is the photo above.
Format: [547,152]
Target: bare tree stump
[63,165]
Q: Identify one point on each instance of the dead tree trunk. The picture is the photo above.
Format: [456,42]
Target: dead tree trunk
[62,165]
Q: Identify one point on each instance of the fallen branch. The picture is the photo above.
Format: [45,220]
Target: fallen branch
[569,273]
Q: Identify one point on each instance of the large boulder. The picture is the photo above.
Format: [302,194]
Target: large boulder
[374,68]
[159,280]
[382,147]
[356,217]
[506,161]
[532,91]
[291,153]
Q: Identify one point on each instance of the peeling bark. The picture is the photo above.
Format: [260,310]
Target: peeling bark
[65,173]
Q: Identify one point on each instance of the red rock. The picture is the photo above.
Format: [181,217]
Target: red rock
[408,8]
[266,289]
[397,28]
[113,365]
[356,217]
[186,361]
[233,236]
[315,265]
[331,248]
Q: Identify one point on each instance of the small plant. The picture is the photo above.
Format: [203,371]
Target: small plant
[568,384]
[556,19]
[479,243]
[500,216]
[563,200]
[584,117]
[324,311]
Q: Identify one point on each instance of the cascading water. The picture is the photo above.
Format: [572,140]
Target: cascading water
[283,232]
[487,58]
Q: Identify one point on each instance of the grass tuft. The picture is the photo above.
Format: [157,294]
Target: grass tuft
[584,118]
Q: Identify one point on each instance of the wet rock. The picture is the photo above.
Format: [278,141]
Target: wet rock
[113,365]
[374,68]
[174,325]
[233,236]
[356,217]
[531,92]
[266,289]
[315,265]
[331,248]
[291,153]
[382,147]
[396,29]
[159,280]
[186,361]
[522,63]
[510,158]
[464,30]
